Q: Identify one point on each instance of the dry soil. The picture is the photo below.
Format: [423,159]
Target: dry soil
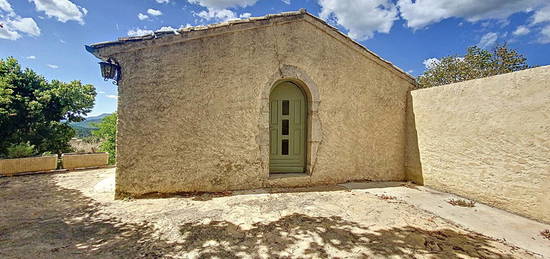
[73,215]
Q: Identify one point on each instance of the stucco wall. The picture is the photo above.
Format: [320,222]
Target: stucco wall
[77,160]
[192,114]
[485,139]
[14,166]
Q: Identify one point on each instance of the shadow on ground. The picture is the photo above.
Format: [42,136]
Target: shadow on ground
[206,196]
[40,220]
[328,235]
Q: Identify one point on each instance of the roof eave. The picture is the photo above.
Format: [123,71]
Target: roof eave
[95,49]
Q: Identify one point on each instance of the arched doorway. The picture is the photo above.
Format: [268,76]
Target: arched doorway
[287,127]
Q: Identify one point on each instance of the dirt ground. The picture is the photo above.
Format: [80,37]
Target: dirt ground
[73,215]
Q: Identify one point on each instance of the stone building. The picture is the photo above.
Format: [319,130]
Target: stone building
[276,101]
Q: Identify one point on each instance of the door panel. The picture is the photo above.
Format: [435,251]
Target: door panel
[287,129]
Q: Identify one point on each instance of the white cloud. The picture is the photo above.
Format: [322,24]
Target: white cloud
[139,32]
[142,32]
[26,25]
[142,17]
[521,30]
[14,25]
[170,28]
[167,28]
[31,57]
[5,6]
[53,66]
[63,10]
[361,17]
[9,34]
[545,35]
[223,4]
[286,1]
[425,12]
[163,1]
[431,62]
[112,96]
[488,40]
[245,15]
[154,12]
[221,15]
[218,9]
[100,92]
[542,15]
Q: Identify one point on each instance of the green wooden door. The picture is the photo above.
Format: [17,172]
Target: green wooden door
[287,128]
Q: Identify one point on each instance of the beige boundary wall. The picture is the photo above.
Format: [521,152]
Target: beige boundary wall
[73,161]
[9,167]
[485,139]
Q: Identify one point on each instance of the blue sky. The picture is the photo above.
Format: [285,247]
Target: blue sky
[49,35]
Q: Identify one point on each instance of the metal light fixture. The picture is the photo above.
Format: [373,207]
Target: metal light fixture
[110,70]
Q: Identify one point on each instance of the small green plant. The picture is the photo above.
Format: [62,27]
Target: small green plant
[21,150]
[462,203]
[546,234]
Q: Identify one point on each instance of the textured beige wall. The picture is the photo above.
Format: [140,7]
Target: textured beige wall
[72,161]
[192,114]
[10,167]
[486,139]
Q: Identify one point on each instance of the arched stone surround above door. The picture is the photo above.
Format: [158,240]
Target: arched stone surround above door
[314,131]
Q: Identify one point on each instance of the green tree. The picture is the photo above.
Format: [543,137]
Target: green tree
[106,131]
[20,150]
[35,111]
[477,63]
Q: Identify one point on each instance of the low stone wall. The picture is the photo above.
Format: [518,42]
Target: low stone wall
[9,167]
[486,139]
[75,160]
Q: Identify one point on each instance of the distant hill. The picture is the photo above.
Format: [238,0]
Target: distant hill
[84,128]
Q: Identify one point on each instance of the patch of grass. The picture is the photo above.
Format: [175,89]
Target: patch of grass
[545,233]
[386,197]
[462,203]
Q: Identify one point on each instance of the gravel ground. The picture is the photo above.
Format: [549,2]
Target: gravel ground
[73,215]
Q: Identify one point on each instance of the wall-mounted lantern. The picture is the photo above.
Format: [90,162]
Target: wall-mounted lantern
[110,70]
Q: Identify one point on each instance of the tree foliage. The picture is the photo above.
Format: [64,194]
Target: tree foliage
[477,63]
[35,111]
[20,150]
[106,131]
